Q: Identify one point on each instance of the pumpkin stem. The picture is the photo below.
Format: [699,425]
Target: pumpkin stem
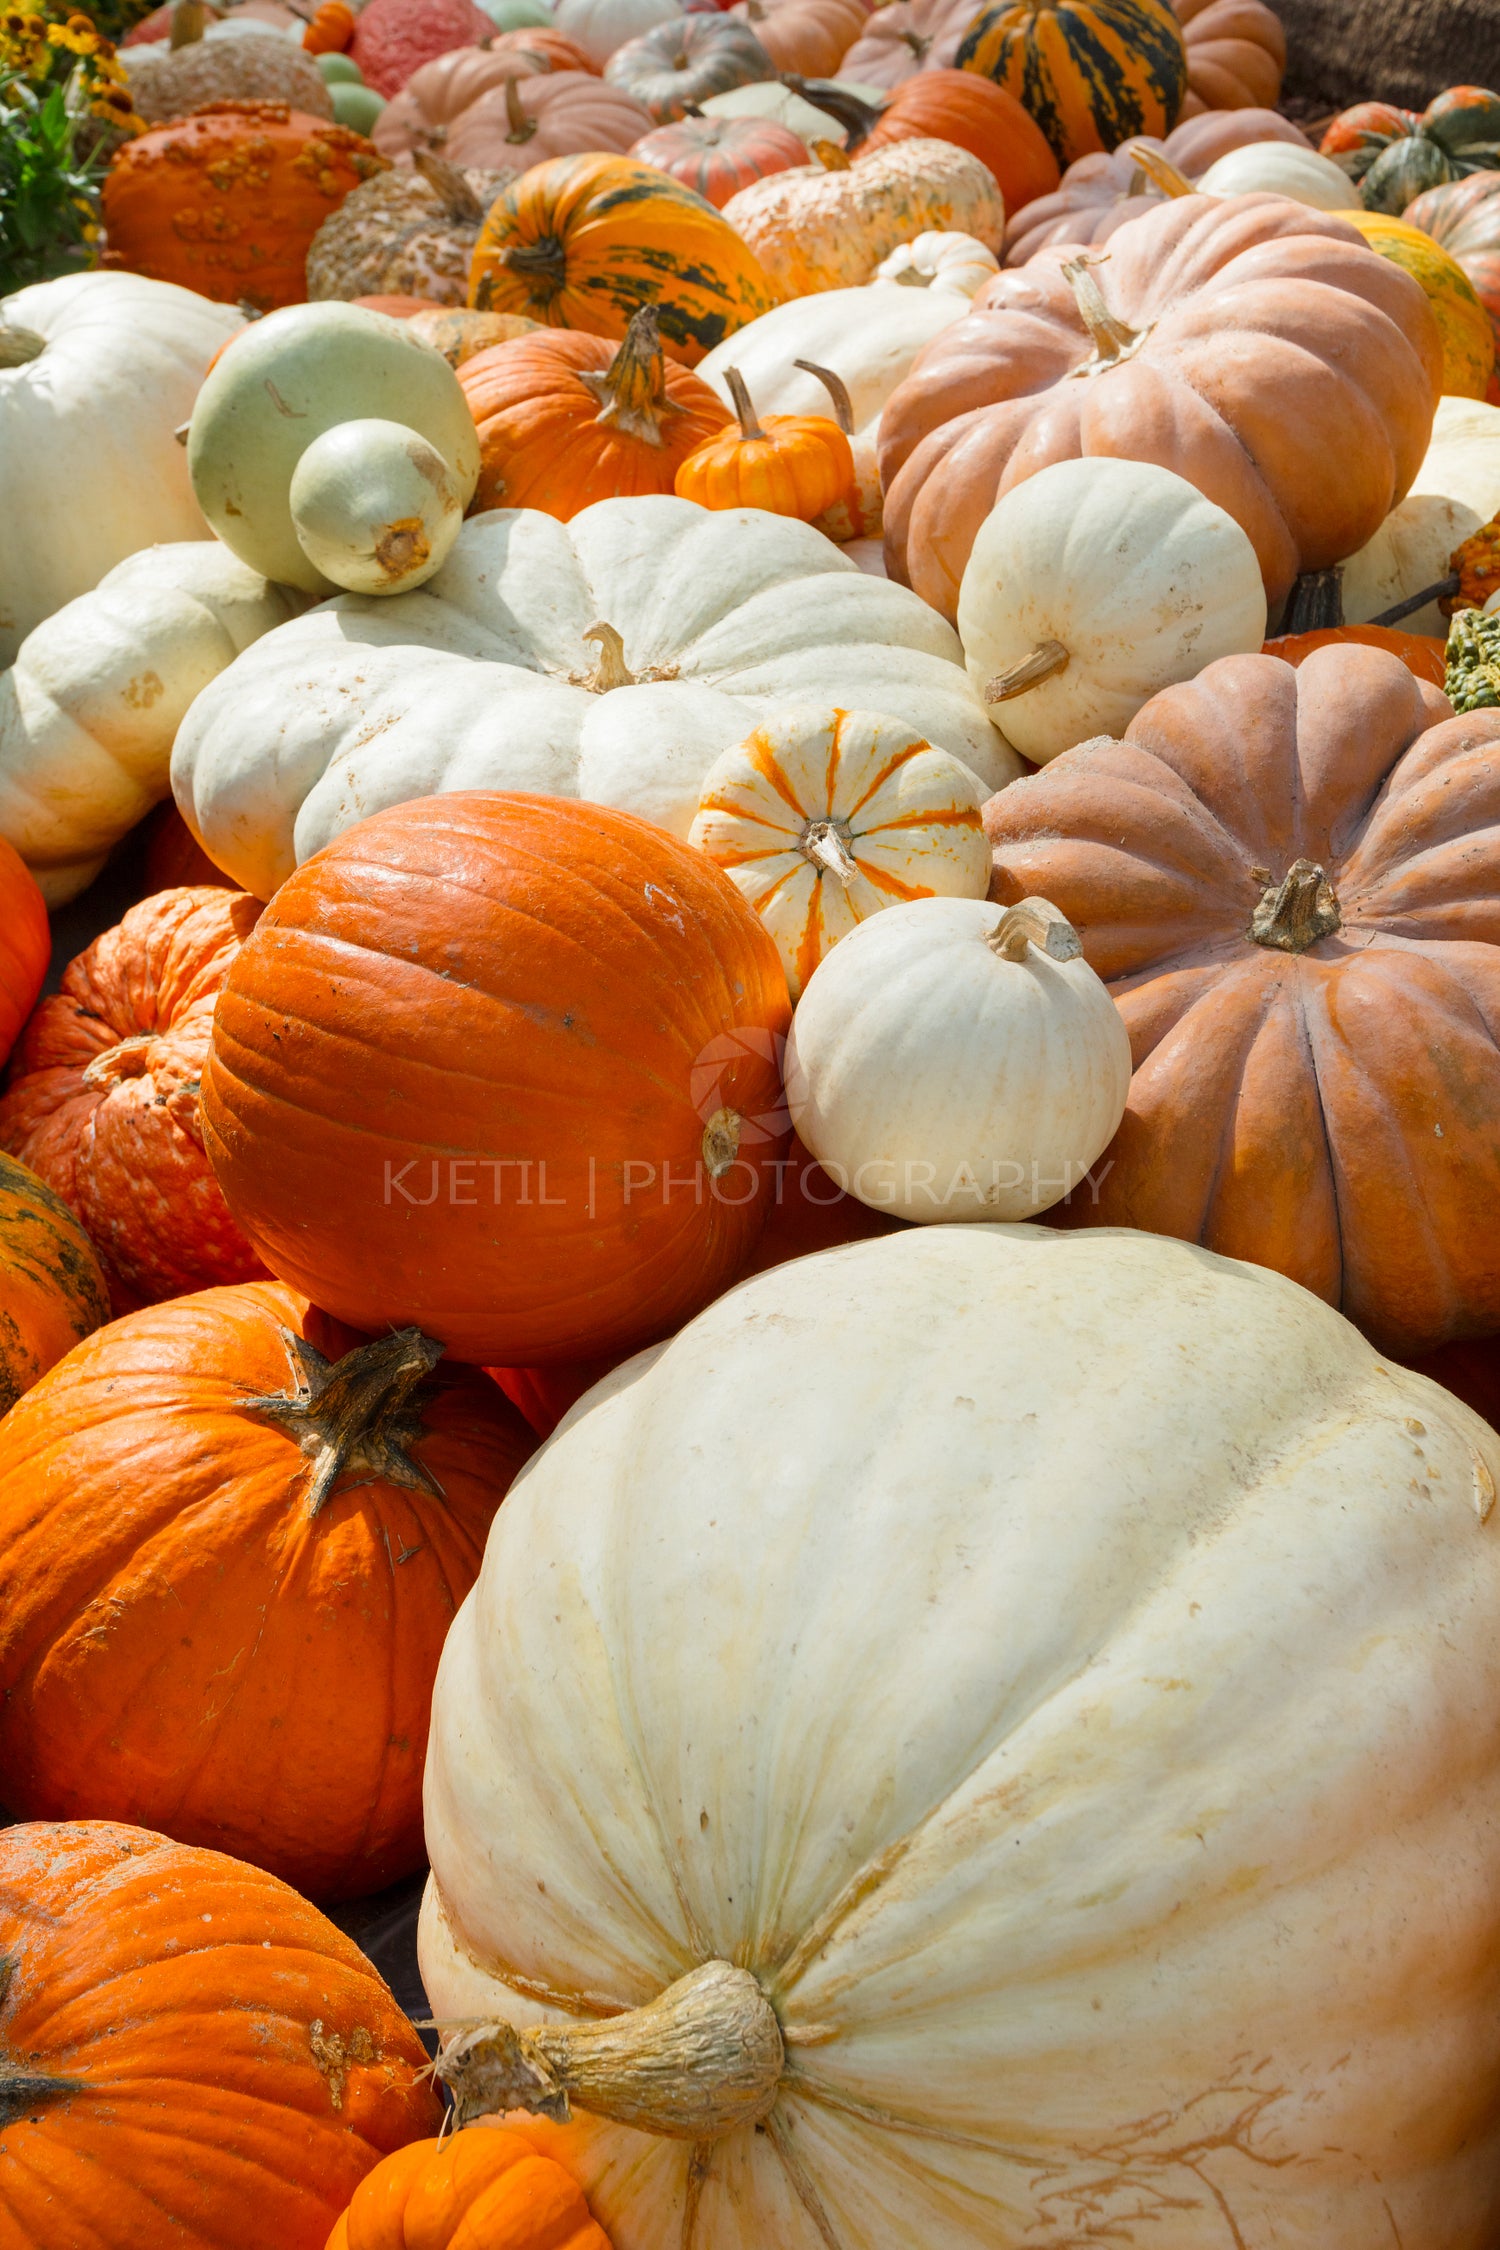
[830,156]
[701,2060]
[721,1141]
[823,842]
[129,1059]
[916,42]
[355,1420]
[22,2093]
[453,191]
[838,392]
[1113,340]
[188,20]
[1045,662]
[1294,913]
[858,117]
[632,391]
[1316,602]
[18,345]
[518,126]
[545,261]
[1150,164]
[611,671]
[1022,925]
[749,427]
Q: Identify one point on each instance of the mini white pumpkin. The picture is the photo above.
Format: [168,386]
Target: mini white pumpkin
[292,376]
[1094,585]
[1457,489]
[97,371]
[1060,1671]
[1280,168]
[375,507]
[89,710]
[823,817]
[954,1059]
[956,263]
[613,657]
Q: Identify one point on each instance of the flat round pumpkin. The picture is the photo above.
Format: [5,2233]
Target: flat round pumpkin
[1290,880]
[568,1026]
[52,1293]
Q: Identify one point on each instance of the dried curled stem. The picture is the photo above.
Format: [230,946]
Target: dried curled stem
[1024,924]
[1045,662]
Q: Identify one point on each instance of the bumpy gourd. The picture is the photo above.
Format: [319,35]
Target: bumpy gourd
[376,507]
[1473,682]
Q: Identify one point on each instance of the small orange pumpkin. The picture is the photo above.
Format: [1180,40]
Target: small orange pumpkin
[52,1293]
[227,201]
[331,29]
[790,464]
[25,944]
[491,2189]
[565,420]
[1423,656]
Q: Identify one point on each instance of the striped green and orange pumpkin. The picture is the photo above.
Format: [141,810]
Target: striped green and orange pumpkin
[1091,72]
[584,241]
[52,1293]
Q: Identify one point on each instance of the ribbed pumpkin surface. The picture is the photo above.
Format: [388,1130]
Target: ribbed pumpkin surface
[52,1293]
[25,945]
[1091,72]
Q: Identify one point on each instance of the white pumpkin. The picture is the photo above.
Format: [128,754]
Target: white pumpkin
[944,262]
[97,371]
[613,658]
[869,337]
[90,707]
[954,1059]
[1280,168]
[376,509]
[824,817]
[296,374]
[1062,1671]
[1094,585]
[600,26]
[1457,489]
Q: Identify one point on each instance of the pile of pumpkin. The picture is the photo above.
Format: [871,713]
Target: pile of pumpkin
[694,718]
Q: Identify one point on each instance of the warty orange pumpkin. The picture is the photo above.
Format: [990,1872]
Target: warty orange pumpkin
[52,1293]
[488,2190]
[565,420]
[188,2051]
[1291,880]
[506,1067]
[103,1096]
[222,1521]
[1091,72]
[25,944]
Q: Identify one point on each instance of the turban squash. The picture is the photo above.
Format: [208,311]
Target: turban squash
[1250,345]
[189,2052]
[52,1293]
[1291,880]
[1091,72]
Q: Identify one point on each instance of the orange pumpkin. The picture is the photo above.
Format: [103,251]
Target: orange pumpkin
[25,944]
[566,420]
[538,1120]
[545,1394]
[103,1095]
[1236,54]
[1091,72]
[1291,880]
[305,1510]
[331,29]
[227,201]
[52,1293]
[790,464]
[811,37]
[189,2052]
[494,2189]
[1424,658]
[971,112]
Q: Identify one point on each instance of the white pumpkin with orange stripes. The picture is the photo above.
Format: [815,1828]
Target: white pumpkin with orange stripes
[822,817]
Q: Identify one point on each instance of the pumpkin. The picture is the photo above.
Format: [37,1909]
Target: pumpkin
[717,156]
[192,2053]
[540,45]
[545,1394]
[1295,895]
[973,114]
[358,107]
[811,37]
[295,376]
[813,1212]
[25,945]
[459,334]
[1464,324]
[566,420]
[819,229]
[1464,220]
[330,29]
[109,363]
[1394,154]
[90,707]
[394,38]
[408,233]
[942,1698]
[494,2188]
[1279,168]
[553,1229]
[948,262]
[52,1293]
[682,63]
[1093,586]
[790,464]
[424,113]
[774,99]
[226,1462]
[868,337]
[1455,492]
[583,241]
[907,36]
[1236,54]
[600,26]
[1424,657]
[227,201]
[955,1060]
[519,15]
[375,506]
[176,81]
[821,818]
[612,658]
[1171,377]
[524,121]
[1091,72]
[175,860]
[103,1096]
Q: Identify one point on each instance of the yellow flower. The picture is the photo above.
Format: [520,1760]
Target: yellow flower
[76,42]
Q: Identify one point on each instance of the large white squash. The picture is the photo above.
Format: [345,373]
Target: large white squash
[1457,489]
[1279,168]
[90,707]
[869,337]
[1061,1672]
[97,370]
[1093,586]
[613,658]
